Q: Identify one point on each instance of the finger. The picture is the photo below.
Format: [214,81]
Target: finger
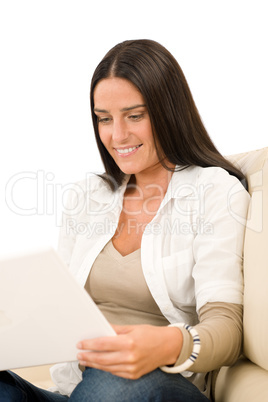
[120,357]
[100,344]
[123,329]
[105,344]
[121,370]
[102,358]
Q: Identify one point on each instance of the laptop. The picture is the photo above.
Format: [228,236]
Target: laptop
[44,312]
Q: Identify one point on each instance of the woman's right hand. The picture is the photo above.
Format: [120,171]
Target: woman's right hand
[135,351]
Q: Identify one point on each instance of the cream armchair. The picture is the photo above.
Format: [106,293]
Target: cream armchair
[247,380]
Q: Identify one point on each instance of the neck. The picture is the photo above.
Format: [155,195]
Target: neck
[152,183]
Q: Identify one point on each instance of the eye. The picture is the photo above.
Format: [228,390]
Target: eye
[104,120]
[136,117]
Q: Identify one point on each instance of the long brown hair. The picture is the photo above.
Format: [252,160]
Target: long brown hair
[176,123]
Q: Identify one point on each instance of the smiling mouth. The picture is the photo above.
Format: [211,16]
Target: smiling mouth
[127,150]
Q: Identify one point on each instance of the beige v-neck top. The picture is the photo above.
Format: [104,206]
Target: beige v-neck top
[117,286]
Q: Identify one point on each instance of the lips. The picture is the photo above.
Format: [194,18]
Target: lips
[123,151]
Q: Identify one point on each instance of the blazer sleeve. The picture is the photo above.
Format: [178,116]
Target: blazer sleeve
[218,253]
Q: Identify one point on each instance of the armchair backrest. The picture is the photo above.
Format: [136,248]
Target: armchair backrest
[254,165]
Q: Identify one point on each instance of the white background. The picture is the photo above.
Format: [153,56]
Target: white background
[49,50]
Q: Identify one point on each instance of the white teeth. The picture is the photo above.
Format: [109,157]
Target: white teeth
[126,150]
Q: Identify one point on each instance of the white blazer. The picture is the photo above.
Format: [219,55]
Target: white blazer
[191,251]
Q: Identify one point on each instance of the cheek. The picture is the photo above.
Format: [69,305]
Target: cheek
[103,136]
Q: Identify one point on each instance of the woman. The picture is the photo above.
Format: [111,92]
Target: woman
[162,244]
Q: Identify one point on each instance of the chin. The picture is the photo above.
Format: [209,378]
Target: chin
[128,169]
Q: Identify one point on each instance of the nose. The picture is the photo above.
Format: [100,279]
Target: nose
[120,132]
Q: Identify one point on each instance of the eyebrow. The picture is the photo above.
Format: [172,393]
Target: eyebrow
[125,109]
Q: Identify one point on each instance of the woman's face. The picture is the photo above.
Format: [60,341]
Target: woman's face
[124,125]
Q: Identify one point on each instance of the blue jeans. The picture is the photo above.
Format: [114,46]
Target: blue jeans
[100,386]
[15,389]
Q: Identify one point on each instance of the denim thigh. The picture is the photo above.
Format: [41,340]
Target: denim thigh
[156,386]
[15,389]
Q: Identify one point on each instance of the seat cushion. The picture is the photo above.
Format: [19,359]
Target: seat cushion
[38,376]
[243,382]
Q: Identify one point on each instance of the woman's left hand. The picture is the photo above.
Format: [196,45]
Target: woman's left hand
[135,351]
